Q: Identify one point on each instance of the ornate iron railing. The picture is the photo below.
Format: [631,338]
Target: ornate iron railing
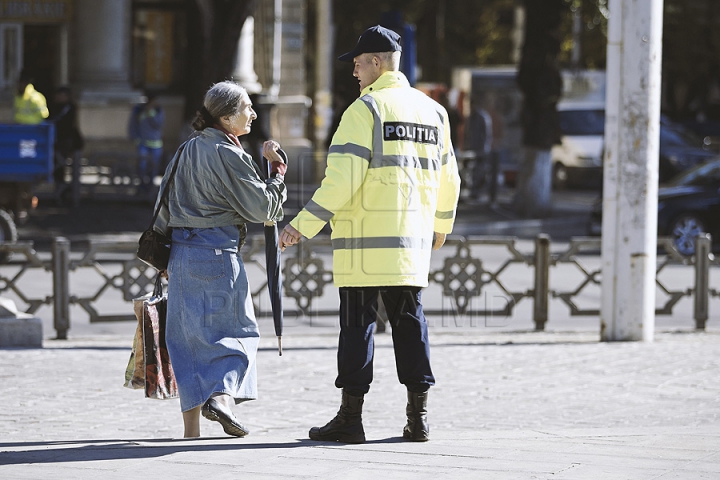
[462,276]
[24,259]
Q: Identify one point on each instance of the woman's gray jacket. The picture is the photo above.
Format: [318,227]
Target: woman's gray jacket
[217,184]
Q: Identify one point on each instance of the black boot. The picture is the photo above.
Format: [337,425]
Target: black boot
[347,426]
[417,428]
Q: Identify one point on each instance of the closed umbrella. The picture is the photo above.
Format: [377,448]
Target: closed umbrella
[274,272]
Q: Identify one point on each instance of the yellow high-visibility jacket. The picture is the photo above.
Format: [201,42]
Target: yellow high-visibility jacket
[391,181]
[31,107]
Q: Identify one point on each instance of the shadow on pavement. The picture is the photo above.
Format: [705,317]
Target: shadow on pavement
[101,450]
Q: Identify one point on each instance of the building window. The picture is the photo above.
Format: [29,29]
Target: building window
[11,51]
[159,47]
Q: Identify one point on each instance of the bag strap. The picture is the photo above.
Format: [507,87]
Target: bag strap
[158,290]
[166,190]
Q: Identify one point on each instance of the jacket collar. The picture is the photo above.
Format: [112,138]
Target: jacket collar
[219,134]
[387,80]
[233,138]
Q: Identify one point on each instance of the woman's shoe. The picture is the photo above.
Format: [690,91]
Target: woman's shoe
[218,412]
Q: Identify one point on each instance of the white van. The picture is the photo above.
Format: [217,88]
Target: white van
[579,157]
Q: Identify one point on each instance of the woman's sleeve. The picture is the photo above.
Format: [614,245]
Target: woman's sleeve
[255,199]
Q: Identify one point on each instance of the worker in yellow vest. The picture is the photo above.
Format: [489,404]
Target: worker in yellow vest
[390,194]
[30,105]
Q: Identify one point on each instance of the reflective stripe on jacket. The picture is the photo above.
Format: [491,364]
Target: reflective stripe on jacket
[391,181]
[31,107]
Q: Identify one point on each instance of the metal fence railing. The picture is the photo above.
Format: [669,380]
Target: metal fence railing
[462,272]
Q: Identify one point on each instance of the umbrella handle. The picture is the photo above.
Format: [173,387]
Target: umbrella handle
[279,345]
[269,223]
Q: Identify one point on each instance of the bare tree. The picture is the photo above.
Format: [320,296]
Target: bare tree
[220,23]
[540,81]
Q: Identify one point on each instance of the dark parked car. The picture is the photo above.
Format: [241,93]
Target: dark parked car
[687,205]
[680,150]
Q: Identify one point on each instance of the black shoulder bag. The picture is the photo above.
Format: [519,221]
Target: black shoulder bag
[154,246]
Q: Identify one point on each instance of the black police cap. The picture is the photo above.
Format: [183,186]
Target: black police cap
[374,39]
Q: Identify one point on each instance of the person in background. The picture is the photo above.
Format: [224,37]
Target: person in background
[390,193]
[145,129]
[478,142]
[453,116]
[30,106]
[68,139]
[212,336]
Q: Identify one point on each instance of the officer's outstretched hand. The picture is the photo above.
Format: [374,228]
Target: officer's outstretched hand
[438,240]
[289,237]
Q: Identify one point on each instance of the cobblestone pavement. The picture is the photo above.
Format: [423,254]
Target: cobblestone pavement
[506,405]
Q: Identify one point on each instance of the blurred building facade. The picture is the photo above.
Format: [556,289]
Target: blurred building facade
[111,51]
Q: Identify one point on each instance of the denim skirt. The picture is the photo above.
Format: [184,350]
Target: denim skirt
[212,336]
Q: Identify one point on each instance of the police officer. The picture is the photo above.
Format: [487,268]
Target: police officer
[390,193]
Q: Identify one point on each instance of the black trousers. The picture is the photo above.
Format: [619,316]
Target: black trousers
[358,312]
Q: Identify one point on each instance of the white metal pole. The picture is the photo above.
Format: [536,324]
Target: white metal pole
[629,229]
[518,33]
[577,28]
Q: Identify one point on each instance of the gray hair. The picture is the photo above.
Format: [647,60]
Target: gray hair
[222,100]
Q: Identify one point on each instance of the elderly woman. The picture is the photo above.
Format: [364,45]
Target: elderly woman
[212,336]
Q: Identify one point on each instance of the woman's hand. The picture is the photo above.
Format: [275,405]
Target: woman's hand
[277,164]
[270,149]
